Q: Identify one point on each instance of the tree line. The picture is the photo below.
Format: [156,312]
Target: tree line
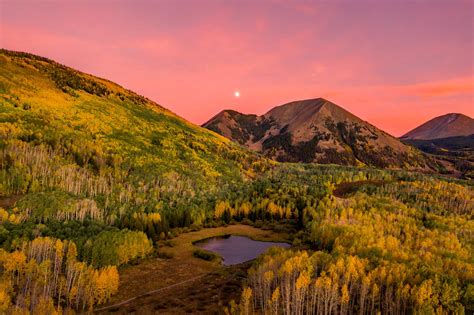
[44,277]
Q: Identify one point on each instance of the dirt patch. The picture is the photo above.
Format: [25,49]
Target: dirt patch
[8,202]
[206,295]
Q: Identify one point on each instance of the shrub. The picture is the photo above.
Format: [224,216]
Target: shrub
[164,255]
[206,255]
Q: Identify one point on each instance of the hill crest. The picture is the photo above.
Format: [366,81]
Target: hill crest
[445,126]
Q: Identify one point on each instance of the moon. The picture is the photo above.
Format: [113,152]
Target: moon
[237,94]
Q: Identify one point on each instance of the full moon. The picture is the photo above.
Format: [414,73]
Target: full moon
[237,94]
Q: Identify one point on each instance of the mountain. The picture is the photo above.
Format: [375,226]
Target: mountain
[73,138]
[449,125]
[316,130]
[449,138]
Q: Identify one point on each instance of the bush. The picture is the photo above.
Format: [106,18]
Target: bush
[164,255]
[246,221]
[206,255]
[114,248]
[169,243]
[195,228]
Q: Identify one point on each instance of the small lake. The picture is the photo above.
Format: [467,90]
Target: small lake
[236,249]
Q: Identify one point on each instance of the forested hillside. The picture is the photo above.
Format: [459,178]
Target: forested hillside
[100,151]
[85,160]
[456,151]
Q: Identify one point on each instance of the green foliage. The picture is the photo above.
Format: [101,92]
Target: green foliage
[116,248]
[57,205]
[206,255]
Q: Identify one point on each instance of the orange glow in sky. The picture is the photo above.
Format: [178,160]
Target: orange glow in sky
[394,63]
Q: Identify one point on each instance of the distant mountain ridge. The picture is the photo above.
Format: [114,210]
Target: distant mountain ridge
[450,138]
[449,125]
[316,130]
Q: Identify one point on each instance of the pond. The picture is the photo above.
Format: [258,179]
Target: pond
[236,249]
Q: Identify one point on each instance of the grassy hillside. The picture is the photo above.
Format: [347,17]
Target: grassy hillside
[83,137]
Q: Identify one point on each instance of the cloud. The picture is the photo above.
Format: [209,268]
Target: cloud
[464,85]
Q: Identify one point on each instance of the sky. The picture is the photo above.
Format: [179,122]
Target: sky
[394,63]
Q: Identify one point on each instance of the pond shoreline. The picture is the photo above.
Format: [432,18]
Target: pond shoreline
[217,286]
[250,237]
[233,249]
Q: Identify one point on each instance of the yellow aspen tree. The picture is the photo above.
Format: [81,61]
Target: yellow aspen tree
[344,298]
[244,209]
[246,301]
[5,299]
[301,285]
[275,301]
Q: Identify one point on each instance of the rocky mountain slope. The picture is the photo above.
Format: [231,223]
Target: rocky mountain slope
[317,130]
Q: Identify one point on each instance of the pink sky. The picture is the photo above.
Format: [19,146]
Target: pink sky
[393,63]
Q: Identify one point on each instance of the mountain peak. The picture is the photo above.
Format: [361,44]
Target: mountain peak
[444,126]
[313,104]
[314,130]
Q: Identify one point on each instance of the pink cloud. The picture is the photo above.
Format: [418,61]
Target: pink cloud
[444,88]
